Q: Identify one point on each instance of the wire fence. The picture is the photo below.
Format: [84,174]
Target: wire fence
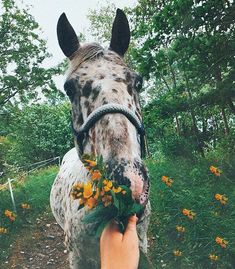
[33,166]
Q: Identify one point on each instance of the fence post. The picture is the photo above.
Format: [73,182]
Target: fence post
[12,195]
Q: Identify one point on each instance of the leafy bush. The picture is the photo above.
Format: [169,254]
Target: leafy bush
[39,132]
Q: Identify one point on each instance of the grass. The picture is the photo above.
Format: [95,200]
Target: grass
[194,188]
[35,191]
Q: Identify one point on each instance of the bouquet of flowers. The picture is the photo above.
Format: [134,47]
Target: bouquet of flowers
[103,197]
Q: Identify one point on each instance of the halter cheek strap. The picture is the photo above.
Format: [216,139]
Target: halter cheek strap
[111,108]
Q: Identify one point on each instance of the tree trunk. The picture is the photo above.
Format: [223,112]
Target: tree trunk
[226,127]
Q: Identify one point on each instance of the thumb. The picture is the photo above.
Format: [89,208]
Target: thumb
[131,226]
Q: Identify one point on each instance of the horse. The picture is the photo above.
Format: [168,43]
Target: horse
[107,122]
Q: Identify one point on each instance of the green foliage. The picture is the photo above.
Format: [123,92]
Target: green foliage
[194,188]
[22,52]
[35,191]
[39,132]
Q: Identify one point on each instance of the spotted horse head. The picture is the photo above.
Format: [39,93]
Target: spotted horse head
[104,93]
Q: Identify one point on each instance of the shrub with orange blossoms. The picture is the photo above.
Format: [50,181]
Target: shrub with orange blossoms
[180,229]
[222,242]
[216,171]
[188,213]
[3,230]
[177,253]
[167,181]
[25,206]
[104,196]
[9,214]
[221,198]
[213,257]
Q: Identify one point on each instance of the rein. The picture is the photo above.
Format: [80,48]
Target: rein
[111,108]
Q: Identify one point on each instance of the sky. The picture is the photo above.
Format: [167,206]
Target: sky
[47,12]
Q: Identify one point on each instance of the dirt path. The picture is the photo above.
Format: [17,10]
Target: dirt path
[38,247]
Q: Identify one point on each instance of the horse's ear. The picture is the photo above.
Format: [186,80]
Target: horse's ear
[67,37]
[120,33]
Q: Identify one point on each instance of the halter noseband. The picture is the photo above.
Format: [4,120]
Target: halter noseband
[98,113]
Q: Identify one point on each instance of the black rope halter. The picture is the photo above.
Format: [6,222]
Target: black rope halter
[111,108]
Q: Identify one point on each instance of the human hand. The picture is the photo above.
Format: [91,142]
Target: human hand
[119,250]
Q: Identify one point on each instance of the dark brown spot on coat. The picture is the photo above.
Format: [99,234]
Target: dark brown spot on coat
[129,89]
[86,90]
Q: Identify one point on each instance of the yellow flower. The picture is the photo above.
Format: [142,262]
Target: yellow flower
[108,185]
[88,190]
[124,192]
[25,206]
[214,170]
[222,242]
[213,257]
[117,190]
[95,175]
[177,253]
[180,229]
[3,230]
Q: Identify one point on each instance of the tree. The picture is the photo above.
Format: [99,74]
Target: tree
[186,49]
[22,52]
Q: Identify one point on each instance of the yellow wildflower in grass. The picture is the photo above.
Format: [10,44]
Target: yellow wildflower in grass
[88,190]
[167,181]
[213,257]
[95,175]
[216,171]
[221,198]
[188,213]
[180,229]
[25,206]
[222,242]
[7,213]
[177,253]
[3,230]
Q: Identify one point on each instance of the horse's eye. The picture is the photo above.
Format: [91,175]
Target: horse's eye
[70,88]
[138,83]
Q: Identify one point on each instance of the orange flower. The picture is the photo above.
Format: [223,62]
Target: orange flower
[222,242]
[90,163]
[95,175]
[188,213]
[222,198]
[214,170]
[8,213]
[91,202]
[108,185]
[167,181]
[88,190]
